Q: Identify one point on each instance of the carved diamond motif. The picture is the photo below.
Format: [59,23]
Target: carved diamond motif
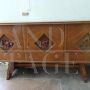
[44,43]
[5,43]
[84,42]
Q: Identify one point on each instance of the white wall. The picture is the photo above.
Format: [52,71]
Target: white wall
[44,10]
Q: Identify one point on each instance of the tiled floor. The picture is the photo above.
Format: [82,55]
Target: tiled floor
[25,79]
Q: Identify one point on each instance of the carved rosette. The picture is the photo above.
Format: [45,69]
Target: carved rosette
[84,42]
[5,43]
[44,43]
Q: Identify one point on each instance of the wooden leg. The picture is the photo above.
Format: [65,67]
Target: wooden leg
[83,72]
[10,70]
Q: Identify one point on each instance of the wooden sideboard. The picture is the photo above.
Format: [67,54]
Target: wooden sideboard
[50,43]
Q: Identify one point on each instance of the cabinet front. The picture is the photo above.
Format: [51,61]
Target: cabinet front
[78,42]
[11,43]
[43,42]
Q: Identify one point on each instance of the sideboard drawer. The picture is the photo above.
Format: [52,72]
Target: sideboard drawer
[45,57]
[5,56]
[81,57]
[13,57]
[40,39]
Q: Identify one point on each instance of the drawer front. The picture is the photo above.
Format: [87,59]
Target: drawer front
[45,57]
[11,42]
[78,42]
[81,57]
[42,41]
[13,57]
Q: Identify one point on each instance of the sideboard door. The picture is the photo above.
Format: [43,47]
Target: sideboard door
[78,42]
[44,42]
[11,43]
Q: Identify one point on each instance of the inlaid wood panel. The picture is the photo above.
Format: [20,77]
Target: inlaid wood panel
[78,42]
[43,42]
[11,43]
